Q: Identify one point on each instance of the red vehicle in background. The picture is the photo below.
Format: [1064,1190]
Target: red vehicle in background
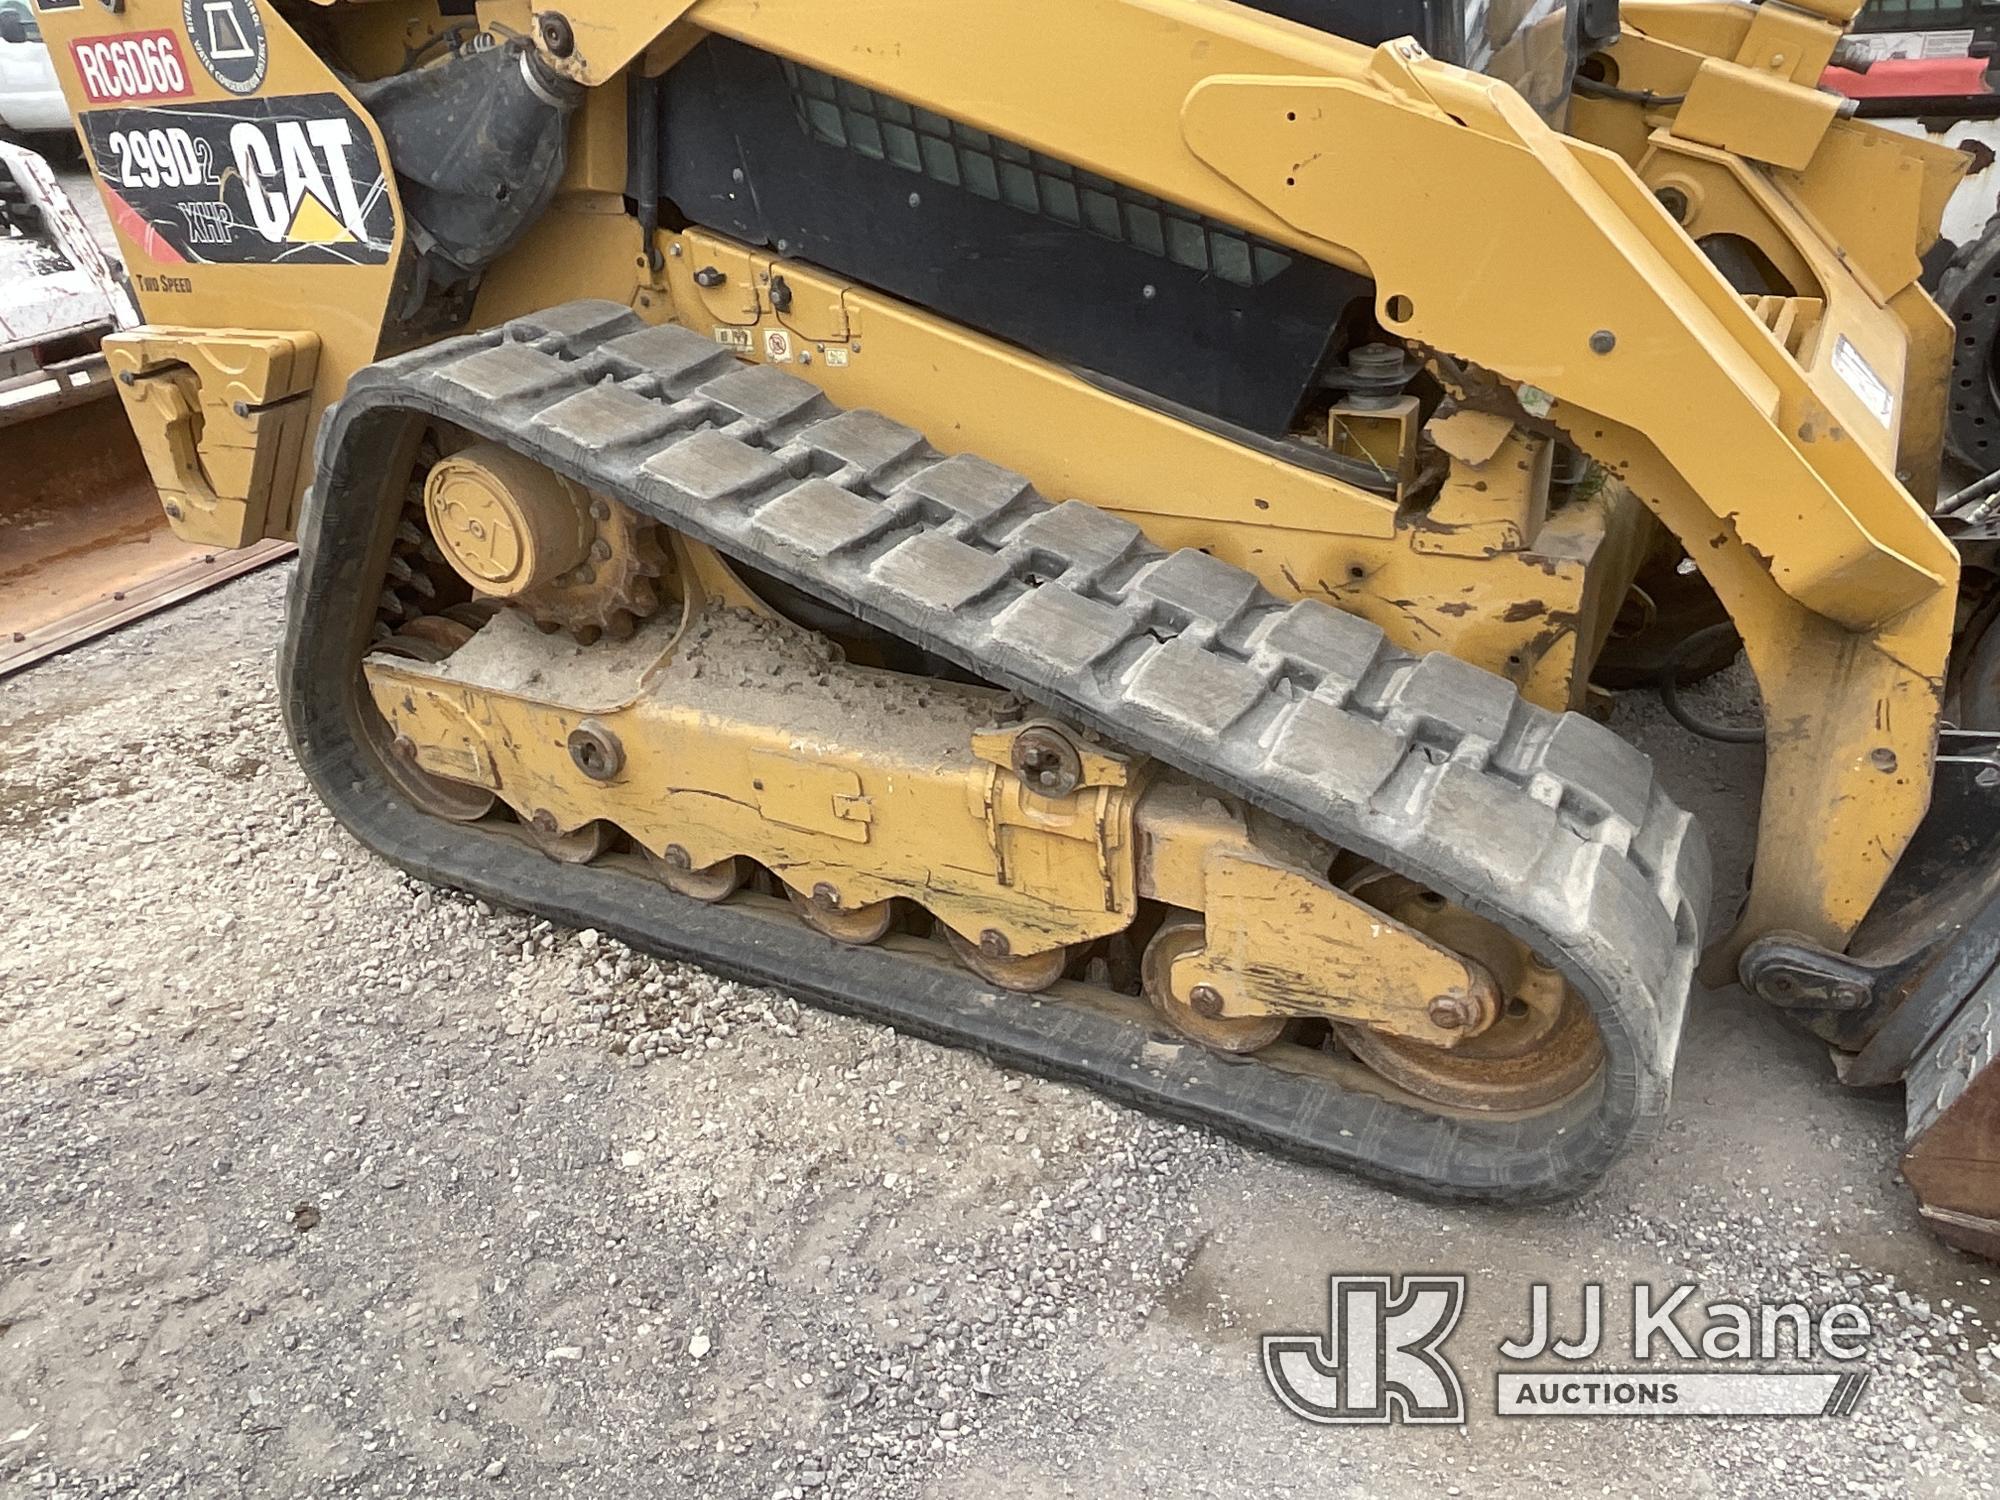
[1903,55]
[1928,68]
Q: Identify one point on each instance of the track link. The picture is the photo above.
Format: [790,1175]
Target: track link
[1547,823]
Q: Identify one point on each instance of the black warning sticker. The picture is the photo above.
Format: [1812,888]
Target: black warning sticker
[292,179]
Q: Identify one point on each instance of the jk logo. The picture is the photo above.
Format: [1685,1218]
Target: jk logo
[1379,1360]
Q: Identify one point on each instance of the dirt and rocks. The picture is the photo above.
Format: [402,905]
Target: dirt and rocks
[316,1181]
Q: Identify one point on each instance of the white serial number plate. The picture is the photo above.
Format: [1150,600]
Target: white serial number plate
[1861,379]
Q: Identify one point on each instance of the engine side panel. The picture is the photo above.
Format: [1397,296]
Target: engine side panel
[1071,266]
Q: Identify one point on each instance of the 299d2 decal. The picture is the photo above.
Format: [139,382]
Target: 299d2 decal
[293,180]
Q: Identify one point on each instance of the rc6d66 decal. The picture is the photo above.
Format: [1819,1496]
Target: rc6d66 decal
[139,65]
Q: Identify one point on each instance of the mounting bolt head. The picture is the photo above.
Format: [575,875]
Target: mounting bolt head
[1882,759]
[1205,1000]
[1046,761]
[1450,1013]
[993,943]
[826,895]
[595,751]
[558,36]
[1603,341]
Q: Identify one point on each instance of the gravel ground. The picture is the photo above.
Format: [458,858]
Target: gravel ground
[314,1180]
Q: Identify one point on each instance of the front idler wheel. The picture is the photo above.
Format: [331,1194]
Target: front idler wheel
[1542,1047]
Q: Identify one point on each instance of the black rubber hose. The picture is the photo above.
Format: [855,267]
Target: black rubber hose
[1979,489]
[1669,686]
[648,115]
[1592,88]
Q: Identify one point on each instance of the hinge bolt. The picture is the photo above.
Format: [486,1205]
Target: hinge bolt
[1450,1013]
[595,751]
[557,34]
[1206,1000]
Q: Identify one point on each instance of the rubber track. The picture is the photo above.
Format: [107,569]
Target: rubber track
[1548,823]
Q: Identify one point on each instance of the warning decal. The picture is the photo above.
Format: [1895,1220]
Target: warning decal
[286,180]
[228,36]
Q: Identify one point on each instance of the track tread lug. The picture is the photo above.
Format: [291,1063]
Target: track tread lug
[765,398]
[1336,649]
[863,440]
[819,518]
[714,469]
[586,322]
[937,573]
[1086,541]
[1193,694]
[505,373]
[1445,696]
[1615,777]
[608,419]
[1061,631]
[680,359]
[1339,757]
[1195,588]
[969,488]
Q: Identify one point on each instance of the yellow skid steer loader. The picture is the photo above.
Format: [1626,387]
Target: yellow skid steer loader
[1082,529]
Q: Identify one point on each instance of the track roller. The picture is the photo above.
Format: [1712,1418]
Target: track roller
[577,847]
[1182,934]
[991,961]
[1542,1047]
[710,883]
[858,926]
